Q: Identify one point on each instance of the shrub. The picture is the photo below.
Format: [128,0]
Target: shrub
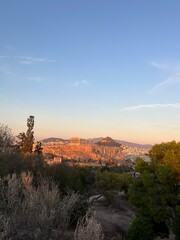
[141,229]
[88,229]
[28,212]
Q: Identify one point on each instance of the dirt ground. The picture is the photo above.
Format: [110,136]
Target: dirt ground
[114,222]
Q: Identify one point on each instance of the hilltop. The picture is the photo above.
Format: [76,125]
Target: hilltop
[109,142]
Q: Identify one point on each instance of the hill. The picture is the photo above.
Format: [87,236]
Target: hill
[53,139]
[108,142]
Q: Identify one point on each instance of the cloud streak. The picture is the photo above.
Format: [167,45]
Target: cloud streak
[152,106]
[32,60]
[27,59]
[172,80]
[79,83]
[159,65]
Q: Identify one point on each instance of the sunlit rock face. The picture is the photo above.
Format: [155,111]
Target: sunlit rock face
[105,149]
[82,150]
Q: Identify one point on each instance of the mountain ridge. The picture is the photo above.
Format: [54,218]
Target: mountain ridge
[98,139]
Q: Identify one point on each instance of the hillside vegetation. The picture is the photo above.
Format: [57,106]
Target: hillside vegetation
[39,201]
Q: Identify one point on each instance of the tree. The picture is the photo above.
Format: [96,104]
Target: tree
[156,196]
[26,140]
[38,148]
[167,154]
[110,183]
[141,229]
[6,137]
[158,151]
[177,223]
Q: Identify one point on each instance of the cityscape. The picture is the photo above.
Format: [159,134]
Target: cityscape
[91,153]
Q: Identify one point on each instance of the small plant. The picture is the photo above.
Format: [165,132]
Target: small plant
[88,228]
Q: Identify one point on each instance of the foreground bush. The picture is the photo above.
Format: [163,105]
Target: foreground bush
[88,229]
[28,212]
[37,210]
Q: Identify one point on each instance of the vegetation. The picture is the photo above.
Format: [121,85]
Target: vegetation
[6,138]
[34,212]
[34,207]
[26,140]
[111,183]
[88,227]
[156,192]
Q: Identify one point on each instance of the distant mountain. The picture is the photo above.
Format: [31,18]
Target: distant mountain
[130,144]
[99,139]
[53,139]
[108,142]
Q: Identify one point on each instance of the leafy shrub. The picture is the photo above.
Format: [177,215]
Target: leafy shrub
[141,229]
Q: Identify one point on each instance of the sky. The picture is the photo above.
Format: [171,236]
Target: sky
[91,68]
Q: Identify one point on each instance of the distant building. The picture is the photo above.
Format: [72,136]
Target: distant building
[75,141]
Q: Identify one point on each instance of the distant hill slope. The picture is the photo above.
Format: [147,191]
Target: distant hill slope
[108,142]
[53,139]
[130,144]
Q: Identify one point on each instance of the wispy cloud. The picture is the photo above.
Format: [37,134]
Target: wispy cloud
[4,56]
[33,79]
[152,106]
[159,65]
[27,59]
[171,81]
[32,60]
[79,83]
[18,78]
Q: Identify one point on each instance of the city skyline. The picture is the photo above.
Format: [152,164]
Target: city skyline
[91,68]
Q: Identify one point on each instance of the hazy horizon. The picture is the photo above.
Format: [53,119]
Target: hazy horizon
[91,68]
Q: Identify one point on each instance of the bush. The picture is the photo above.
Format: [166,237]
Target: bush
[110,183]
[141,229]
[15,162]
[28,212]
[88,229]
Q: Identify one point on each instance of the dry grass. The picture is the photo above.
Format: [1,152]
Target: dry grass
[88,229]
[28,212]
[33,213]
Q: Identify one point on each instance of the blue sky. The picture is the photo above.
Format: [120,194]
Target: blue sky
[91,68]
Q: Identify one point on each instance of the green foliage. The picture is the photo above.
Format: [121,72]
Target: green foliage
[168,154]
[155,193]
[67,177]
[109,183]
[16,162]
[177,223]
[141,229]
[140,165]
